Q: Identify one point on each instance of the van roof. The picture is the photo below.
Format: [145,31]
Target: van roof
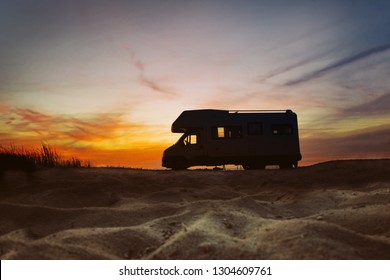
[198,118]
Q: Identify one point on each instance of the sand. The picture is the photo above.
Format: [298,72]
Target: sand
[333,210]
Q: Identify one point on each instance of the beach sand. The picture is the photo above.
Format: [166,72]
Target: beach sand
[332,210]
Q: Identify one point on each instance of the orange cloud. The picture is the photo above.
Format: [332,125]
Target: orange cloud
[92,128]
[33,116]
[102,138]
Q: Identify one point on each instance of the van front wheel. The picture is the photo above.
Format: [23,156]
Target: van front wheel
[180,165]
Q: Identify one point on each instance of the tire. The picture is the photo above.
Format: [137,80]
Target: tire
[176,168]
[180,165]
[286,166]
[246,167]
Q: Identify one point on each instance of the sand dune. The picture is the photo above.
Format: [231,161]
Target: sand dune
[334,210]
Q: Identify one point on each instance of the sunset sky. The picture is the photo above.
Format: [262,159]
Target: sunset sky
[104,80]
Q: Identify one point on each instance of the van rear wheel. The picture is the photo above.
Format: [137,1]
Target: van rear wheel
[286,166]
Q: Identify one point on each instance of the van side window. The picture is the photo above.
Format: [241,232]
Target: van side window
[282,129]
[220,132]
[255,128]
[227,132]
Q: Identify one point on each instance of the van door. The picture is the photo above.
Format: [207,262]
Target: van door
[193,147]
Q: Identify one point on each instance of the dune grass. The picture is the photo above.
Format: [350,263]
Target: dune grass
[19,158]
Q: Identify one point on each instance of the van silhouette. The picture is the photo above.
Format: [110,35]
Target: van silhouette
[253,139]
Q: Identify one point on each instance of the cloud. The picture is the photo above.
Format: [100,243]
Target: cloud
[271,98]
[378,106]
[140,66]
[150,83]
[102,138]
[156,86]
[92,130]
[283,70]
[342,62]
[371,142]
[293,66]
[98,127]
[33,116]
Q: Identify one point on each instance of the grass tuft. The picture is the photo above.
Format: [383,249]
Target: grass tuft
[15,158]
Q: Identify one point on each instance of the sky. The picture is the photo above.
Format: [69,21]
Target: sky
[104,80]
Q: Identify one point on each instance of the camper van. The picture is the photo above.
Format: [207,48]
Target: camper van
[253,139]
